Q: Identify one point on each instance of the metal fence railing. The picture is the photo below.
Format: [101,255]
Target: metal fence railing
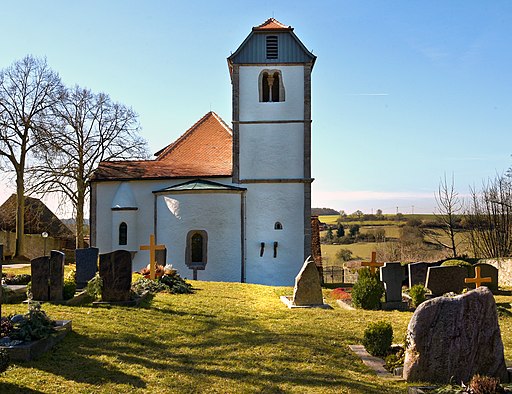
[336,274]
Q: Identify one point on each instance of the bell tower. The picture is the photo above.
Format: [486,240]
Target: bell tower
[271,82]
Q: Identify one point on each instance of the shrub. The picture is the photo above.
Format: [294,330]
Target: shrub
[344,255]
[4,360]
[153,286]
[34,325]
[5,326]
[485,385]
[177,284]
[395,360]
[21,279]
[340,294]
[377,338]
[459,263]
[367,291]
[93,287]
[417,293]
[69,289]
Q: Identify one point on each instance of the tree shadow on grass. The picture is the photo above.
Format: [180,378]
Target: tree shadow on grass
[77,358]
[8,388]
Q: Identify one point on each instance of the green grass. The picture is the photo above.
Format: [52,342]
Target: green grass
[227,337]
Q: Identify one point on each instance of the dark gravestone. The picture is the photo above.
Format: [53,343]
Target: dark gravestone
[417,273]
[40,270]
[116,274]
[441,280]
[48,277]
[86,265]
[392,275]
[487,271]
[56,275]
[161,256]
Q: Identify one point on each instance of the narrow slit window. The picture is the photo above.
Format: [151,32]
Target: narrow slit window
[123,234]
[272,47]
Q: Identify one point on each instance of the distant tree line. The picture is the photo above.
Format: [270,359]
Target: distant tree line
[52,136]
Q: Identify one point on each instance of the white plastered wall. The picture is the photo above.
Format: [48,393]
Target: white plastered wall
[107,220]
[266,204]
[273,150]
[219,214]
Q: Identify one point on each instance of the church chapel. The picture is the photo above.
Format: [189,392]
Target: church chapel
[229,204]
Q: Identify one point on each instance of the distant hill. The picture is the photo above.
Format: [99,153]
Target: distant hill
[323,211]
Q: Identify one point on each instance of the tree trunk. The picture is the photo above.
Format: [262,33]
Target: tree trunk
[20,215]
[80,214]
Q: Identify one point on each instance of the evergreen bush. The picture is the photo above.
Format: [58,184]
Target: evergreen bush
[417,293]
[459,263]
[367,291]
[69,289]
[377,338]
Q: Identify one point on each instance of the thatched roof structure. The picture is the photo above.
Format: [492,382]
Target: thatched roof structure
[38,218]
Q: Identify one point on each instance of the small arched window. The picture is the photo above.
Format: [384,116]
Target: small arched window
[271,86]
[278,226]
[197,248]
[123,234]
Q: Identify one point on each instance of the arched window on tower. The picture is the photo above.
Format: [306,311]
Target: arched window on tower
[123,234]
[278,226]
[271,86]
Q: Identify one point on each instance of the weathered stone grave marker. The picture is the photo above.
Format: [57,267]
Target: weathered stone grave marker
[48,277]
[392,275]
[441,280]
[485,274]
[152,247]
[417,273]
[452,339]
[116,273]
[86,265]
[373,264]
[161,256]
[307,292]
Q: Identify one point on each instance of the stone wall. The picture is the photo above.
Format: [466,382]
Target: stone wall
[504,266]
[34,244]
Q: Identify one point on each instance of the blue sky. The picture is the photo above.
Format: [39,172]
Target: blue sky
[403,91]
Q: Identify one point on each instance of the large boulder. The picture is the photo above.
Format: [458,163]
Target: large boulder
[308,287]
[454,339]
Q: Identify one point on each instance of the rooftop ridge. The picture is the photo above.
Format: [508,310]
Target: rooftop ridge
[272,24]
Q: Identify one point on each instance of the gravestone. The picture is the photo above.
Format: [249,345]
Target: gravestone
[392,275]
[86,265]
[441,280]
[417,273]
[116,274]
[161,257]
[48,277]
[308,287]
[452,339]
[488,271]
[1,253]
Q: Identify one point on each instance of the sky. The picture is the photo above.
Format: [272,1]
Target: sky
[403,91]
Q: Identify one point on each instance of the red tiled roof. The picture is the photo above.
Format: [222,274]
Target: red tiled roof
[272,24]
[204,150]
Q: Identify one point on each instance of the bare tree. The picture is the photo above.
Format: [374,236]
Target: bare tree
[92,129]
[490,219]
[29,90]
[449,210]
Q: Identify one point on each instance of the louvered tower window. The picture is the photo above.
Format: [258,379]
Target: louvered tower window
[272,49]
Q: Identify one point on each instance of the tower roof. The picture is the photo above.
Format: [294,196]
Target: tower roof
[287,46]
[272,24]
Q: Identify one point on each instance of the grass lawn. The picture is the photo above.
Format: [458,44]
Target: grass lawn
[360,250]
[227,337]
